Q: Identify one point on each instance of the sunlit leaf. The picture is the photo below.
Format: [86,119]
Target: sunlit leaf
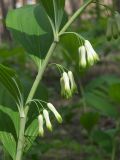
[30,27]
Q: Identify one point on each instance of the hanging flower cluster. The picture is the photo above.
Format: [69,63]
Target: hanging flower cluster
[68,85]
[87,55]
[113,26]
[45,116]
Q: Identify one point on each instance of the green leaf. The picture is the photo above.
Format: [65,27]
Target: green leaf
[30,134]
[9,143]
[104,81]
[9,123]
[97,95]
[11,82]
[6,102]
[102,104]
[89,120]
[103,140]
[30,27]
[14,116]
[114,92]
[55,10]
[71,42]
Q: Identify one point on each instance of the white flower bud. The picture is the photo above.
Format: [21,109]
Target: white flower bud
[72,82]
[109,28]
[92,56]
[47,119]
[55,112]
[67,89]
[40,123]
[82,57]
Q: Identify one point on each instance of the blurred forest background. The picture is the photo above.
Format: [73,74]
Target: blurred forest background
[91,126]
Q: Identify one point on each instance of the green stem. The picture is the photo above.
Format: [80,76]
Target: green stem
[114,150]
[75,15]
[97,10]
[41,71]
[20,145]
[82,93]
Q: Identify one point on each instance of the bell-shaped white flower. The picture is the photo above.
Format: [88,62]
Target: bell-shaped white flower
[40,125]
[72,82]
[55,112]
[47,119]
[92,56]
[82,56]
[67,89]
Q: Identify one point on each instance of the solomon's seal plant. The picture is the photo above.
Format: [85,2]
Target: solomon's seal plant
[40,29]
